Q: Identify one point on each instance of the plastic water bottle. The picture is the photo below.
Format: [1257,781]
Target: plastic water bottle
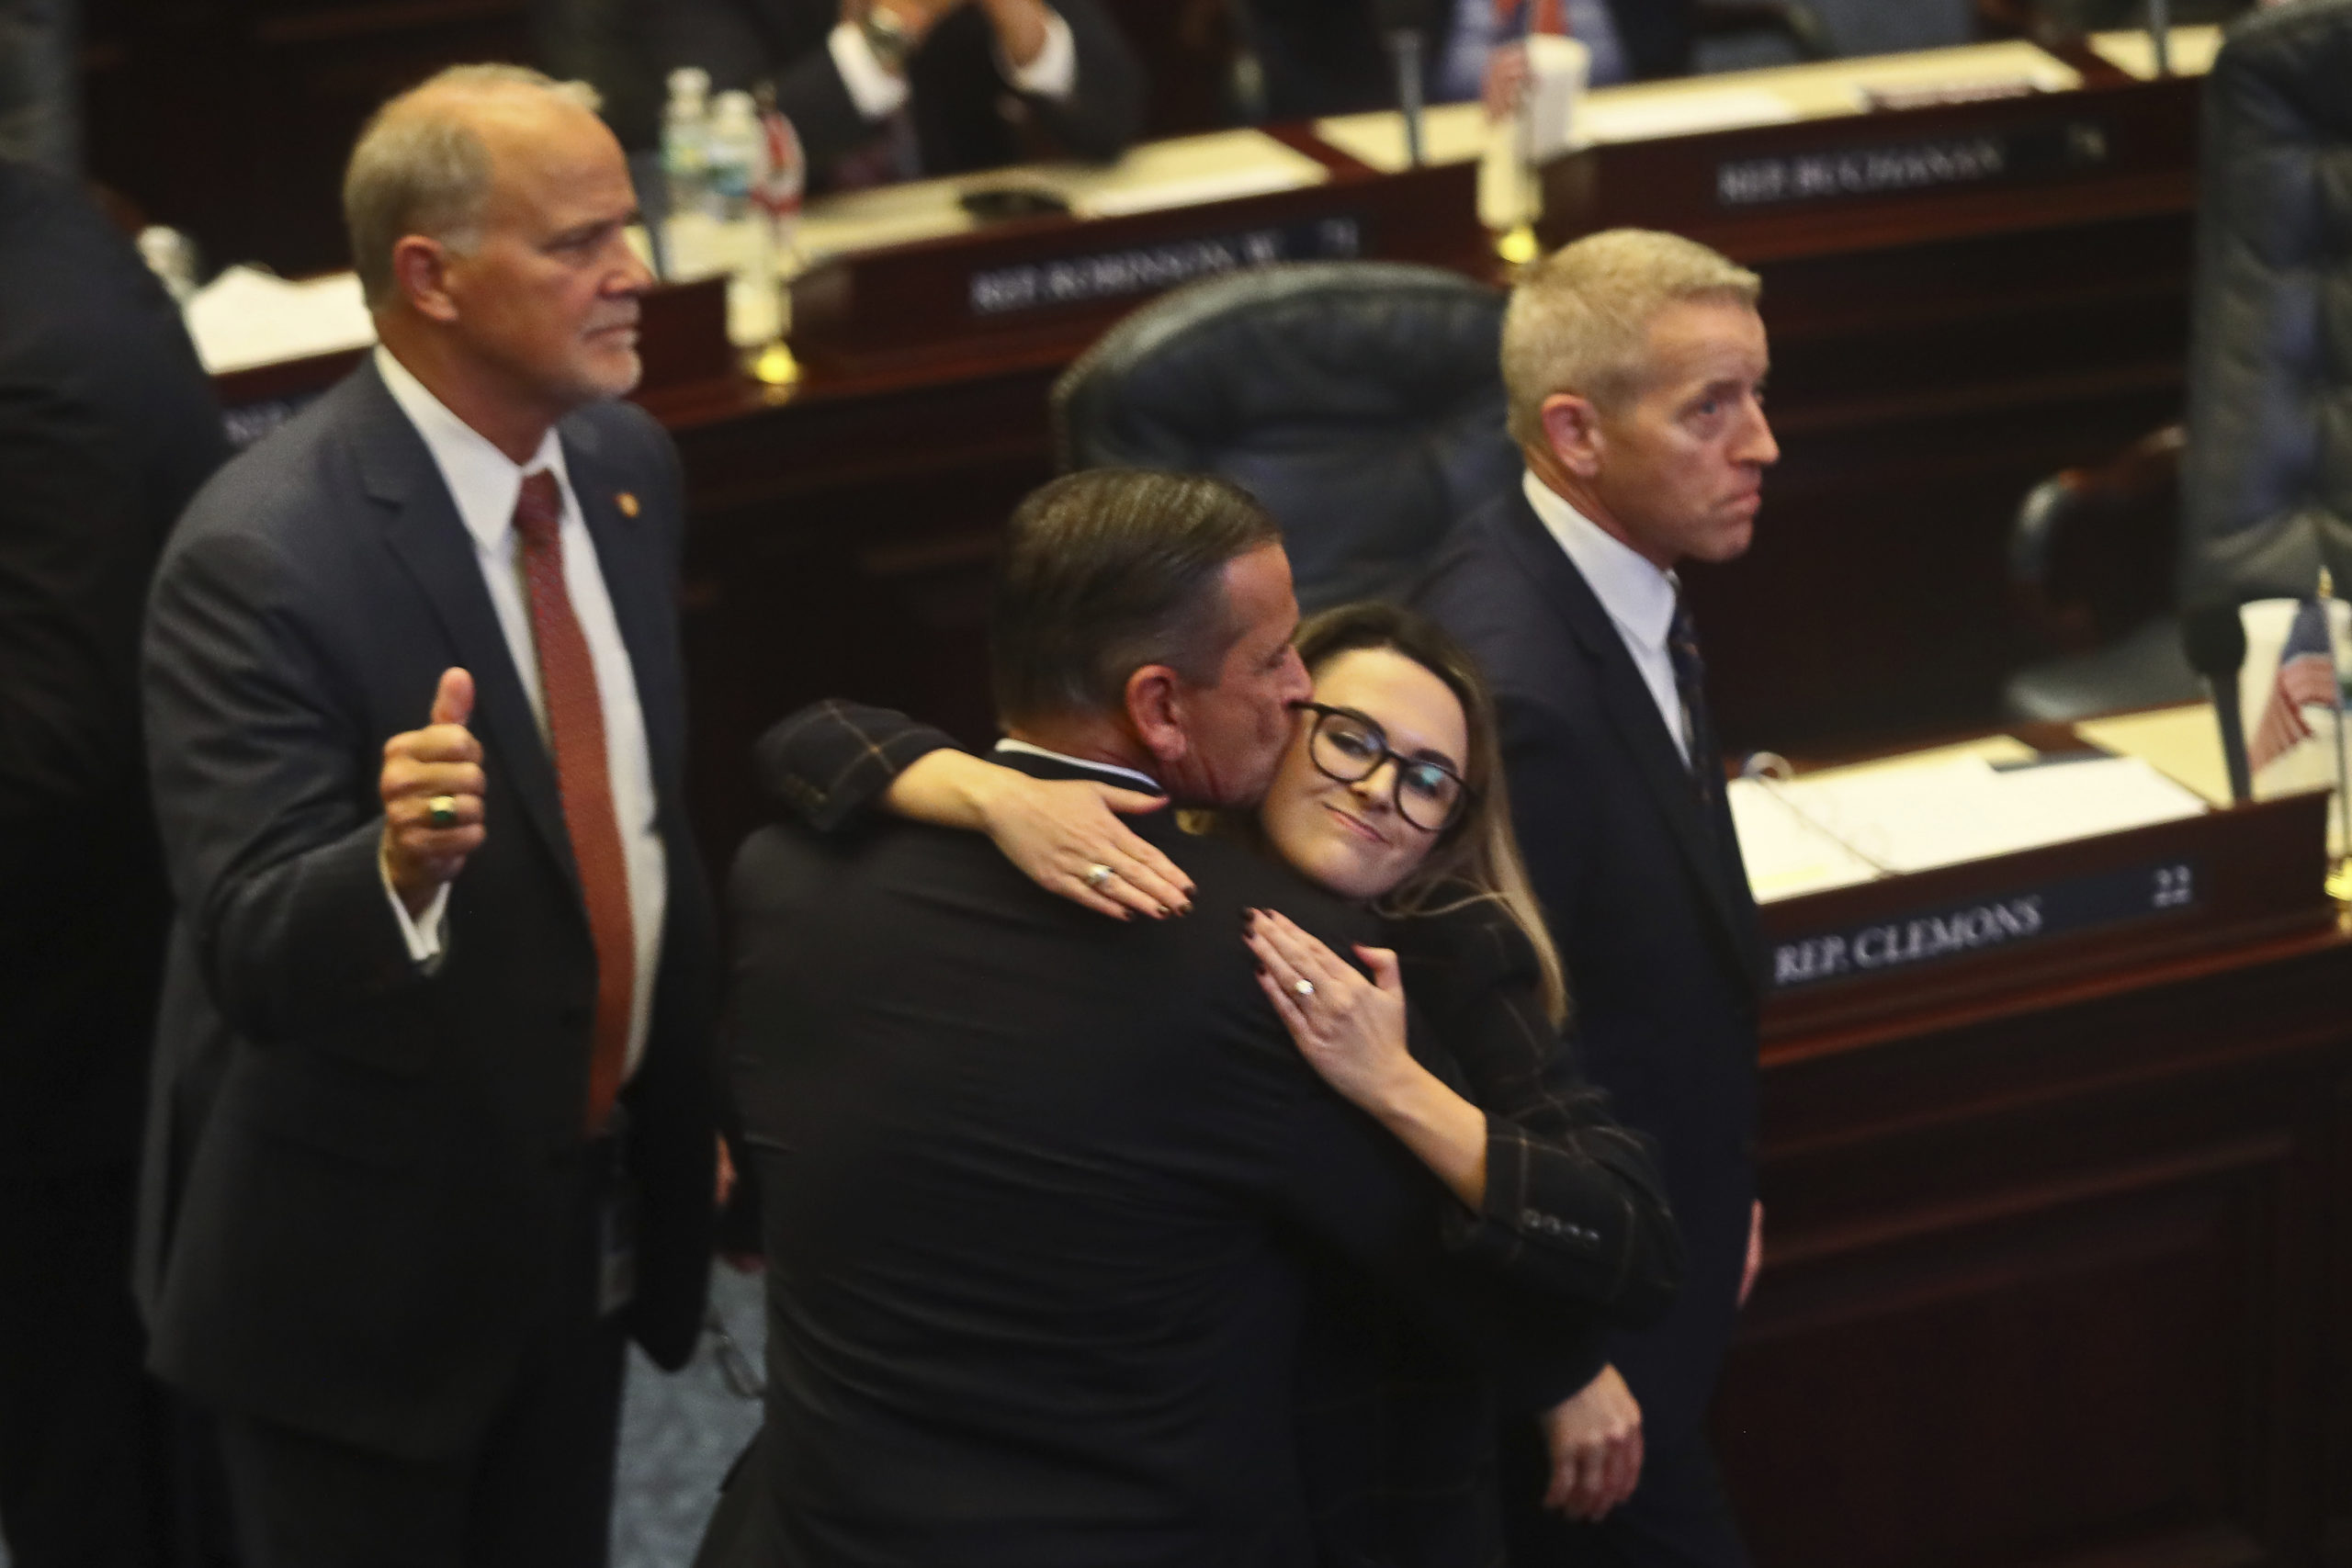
[733,155]
[737,161]
[688,242]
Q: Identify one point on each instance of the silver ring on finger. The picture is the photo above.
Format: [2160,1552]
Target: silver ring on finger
[1304,987]
[442,811]
[1097,875]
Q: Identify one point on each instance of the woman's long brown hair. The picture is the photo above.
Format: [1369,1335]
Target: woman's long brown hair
[1476,859]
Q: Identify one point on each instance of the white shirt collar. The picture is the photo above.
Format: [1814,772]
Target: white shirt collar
[1143,781]
[1637,595]
[483,481]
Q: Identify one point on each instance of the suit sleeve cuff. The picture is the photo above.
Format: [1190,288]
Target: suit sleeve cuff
[1516,1232]
[1054,73]
[876,91]
[426,934]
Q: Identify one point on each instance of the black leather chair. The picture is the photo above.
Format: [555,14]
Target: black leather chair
[2265,476]
[1360,402]
[2090,567]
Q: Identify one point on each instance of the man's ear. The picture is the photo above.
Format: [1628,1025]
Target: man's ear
[419,273]
[1572,429]
[1155,700]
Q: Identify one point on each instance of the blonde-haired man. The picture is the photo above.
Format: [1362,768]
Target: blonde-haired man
[431,1136]
[1634,362]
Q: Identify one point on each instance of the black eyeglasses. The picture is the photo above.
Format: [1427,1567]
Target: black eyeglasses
[1346,746]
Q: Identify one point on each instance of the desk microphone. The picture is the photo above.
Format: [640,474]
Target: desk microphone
[2214,640]
[1400,26]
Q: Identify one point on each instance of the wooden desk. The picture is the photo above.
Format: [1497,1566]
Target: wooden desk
[2060,1257]
[2066,1281]
[845,527]
[1933,358]
[1936,351]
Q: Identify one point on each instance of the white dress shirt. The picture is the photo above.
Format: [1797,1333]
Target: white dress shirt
[878,91]
[485,484]
[1637,595]
[1144,781]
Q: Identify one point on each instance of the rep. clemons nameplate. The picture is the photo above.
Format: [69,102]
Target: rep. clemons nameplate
[2011,919]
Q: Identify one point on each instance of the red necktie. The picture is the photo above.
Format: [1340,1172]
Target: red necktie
[576,726]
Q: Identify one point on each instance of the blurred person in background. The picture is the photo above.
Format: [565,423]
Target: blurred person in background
[40,83]
[107,427]
[882,90]
[1325,57]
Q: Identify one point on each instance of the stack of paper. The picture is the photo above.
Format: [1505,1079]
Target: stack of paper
[2182,743]
[1183,171]
[1831,829]
[245,317]
[2192,51]
[1784,853]
[1643,111]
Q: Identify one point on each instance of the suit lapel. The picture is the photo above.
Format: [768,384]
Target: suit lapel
[629,556]
[425,533]
[1633,714]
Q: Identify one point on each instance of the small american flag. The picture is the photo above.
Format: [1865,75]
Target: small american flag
[2306,676]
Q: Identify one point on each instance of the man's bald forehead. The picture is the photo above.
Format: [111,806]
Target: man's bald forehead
[496,111]
[427,163]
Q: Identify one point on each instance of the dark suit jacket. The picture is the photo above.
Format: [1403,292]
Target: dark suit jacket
[107,427]
[357,1172]
[1395,1433]
[1647,902]
[955,91]
[1038,1185]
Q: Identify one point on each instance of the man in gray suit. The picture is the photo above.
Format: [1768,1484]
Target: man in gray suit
[431,1133]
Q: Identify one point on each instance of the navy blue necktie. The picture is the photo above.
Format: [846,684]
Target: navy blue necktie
[1690,685]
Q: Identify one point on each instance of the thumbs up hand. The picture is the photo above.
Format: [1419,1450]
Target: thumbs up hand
[431,788]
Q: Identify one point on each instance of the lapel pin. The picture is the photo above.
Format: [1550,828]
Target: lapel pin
[627,501]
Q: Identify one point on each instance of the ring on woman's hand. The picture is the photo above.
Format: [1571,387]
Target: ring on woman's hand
[1304,987]
[442,811]
[1097,875]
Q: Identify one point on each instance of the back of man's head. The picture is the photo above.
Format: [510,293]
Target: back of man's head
[1579,320]
[422,167]
[1108,570]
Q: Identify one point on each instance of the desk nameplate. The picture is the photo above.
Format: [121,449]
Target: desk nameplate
[1092,276]
[1940,933]
[1898,166]
[2031,161]
[1966,937]
[1061,278]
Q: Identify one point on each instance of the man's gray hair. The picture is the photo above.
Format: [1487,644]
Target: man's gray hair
[420,168]
[1579,319]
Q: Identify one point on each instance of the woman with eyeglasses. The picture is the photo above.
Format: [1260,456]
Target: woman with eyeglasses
[1391,793]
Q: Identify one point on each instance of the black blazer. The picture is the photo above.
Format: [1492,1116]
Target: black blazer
[1647,902]
[1394,1434]
[1039,1190]
[357,1173]
[107,427]
[954,93]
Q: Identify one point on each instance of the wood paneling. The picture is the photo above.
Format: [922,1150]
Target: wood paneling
[2060,1286]
[232,119]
